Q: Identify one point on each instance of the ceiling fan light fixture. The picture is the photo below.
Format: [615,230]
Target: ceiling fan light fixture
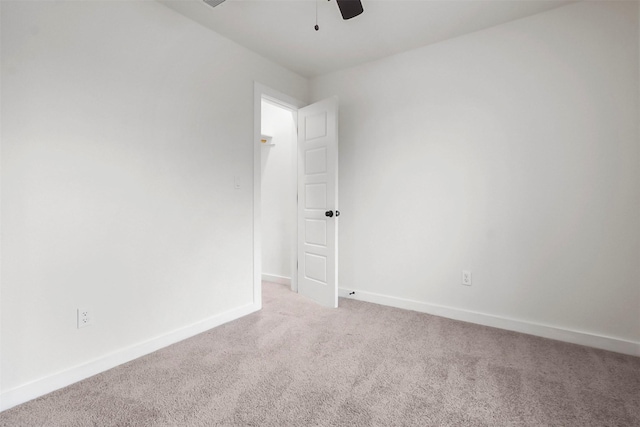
[350,8]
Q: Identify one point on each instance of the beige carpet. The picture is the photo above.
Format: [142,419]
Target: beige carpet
[297,364]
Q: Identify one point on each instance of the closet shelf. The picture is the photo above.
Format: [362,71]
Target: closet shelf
[266,141]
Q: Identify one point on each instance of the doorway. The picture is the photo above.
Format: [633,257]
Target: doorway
[278,143]
[301,182]
[282,109]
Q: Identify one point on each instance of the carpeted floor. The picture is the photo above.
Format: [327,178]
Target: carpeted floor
[298,364]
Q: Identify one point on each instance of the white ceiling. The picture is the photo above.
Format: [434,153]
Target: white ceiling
[282,30]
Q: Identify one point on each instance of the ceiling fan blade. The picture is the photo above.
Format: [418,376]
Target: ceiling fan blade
[213,3]
[350,8]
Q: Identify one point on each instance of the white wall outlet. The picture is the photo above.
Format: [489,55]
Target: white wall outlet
[84,317]
[466,277]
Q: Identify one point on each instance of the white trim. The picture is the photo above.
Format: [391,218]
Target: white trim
[546,331]
[39,387]
[274,278]
[257,194]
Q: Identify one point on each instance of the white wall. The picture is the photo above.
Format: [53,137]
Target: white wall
[512,152]
[124,125]
[278,192]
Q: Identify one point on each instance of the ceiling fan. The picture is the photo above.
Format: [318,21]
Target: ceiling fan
[348,8]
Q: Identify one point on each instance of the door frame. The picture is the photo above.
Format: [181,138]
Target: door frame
[261,92]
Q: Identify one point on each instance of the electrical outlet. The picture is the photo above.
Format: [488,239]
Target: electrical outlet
[84,318]
[466,278]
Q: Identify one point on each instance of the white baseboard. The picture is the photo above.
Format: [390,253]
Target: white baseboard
[546,331]
[274,278]
[42,386]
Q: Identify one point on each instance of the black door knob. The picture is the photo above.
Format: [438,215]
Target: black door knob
[337,213]
[329,213]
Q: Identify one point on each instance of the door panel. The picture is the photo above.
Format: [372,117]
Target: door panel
[317,194]
[315,125]
[315,161]
[315,268]
[316,232]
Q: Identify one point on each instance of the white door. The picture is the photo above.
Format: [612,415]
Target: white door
[318,202]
